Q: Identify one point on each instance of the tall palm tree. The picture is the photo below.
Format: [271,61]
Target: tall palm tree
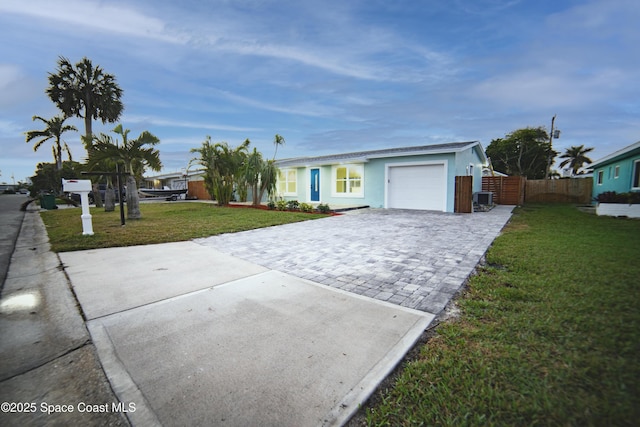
[88,92]
[575,157]
[85,91]
[133,155]
[54,128]
[277,140]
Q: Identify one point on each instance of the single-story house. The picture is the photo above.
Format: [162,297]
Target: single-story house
[173,180]
[619,171]
[421,177]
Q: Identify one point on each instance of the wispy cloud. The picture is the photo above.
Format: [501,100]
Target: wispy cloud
[159,121]
[95,15]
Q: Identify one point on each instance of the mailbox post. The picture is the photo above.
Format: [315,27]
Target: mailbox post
[82,187]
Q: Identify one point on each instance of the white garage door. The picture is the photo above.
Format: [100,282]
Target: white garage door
[417,187]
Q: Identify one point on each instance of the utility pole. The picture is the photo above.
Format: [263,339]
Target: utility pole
[553,119]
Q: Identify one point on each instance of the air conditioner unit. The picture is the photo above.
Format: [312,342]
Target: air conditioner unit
[483,198]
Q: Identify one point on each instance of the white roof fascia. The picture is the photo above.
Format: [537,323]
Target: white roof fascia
[365,159]
[613,155]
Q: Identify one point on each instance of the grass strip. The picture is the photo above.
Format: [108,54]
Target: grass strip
[549,332]
[160,223]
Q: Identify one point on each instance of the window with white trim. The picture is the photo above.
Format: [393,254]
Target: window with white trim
[600,177]
[616,172]
[288,182]
[348,180]
[635,178]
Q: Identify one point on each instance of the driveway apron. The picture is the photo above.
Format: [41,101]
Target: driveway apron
[416,259]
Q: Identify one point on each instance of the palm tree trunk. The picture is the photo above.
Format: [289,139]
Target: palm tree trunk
[109,199]
[133,200]
[95,188]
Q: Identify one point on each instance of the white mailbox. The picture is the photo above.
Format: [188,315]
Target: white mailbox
[82,187]
[76,185]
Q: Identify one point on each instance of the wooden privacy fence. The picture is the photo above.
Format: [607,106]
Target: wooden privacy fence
[517,190]
[572,190]
[197,190]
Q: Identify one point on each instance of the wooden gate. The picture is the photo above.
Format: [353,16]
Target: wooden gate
[463,195]
[507,190]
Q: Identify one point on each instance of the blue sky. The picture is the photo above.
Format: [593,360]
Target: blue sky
[330,76]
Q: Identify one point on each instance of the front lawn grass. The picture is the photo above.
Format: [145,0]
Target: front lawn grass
[549,333]
[160,223]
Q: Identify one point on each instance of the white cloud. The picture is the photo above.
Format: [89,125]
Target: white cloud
[158,121]
[102,16]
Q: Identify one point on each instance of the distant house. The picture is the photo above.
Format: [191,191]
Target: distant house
[619,171]
[420,177]
[172,180]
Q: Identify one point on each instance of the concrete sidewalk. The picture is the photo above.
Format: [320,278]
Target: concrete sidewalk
[46,355]
[231,342]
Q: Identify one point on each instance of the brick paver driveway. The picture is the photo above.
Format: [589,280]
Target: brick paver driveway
[416,259]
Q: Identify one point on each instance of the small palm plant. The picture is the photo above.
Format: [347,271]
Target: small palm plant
[133,155]
[54,128]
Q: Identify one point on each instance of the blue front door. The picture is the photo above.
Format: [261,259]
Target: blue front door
[315,185]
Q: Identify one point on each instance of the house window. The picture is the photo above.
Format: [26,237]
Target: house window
[636,175]
[287,182]
[348,180]
[616,172]
[600,177]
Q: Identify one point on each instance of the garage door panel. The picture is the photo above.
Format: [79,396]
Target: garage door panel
[417,187]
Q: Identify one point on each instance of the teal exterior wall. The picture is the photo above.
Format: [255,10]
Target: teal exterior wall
[472,158]
[624,181]
[375,175]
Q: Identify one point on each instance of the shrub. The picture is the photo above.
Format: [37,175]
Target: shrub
[281,205]
[623,198]
[324,208]
[306,207]
[292,205]
[271,204]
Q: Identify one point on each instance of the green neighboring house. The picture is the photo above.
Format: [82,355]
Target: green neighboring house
[619,171]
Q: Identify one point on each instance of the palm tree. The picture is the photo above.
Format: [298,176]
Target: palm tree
[85,91]
[88,92]
[277,140]
[575,157]
[222,166]
[134,155]
[252,169]
[54,128]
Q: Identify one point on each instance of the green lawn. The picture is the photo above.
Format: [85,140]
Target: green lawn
[160,222]
[549,333]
